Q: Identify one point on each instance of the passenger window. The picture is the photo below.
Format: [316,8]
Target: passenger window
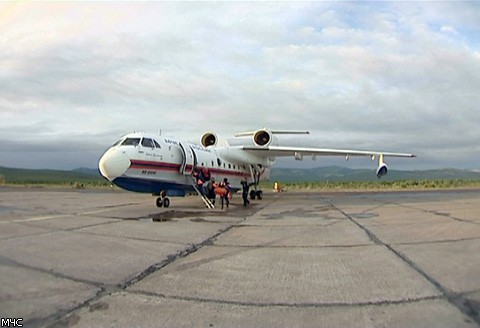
[131,142]
[146,142]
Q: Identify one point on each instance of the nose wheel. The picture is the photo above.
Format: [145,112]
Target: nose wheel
[163,200]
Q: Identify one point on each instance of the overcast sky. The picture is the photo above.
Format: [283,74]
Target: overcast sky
[392,76]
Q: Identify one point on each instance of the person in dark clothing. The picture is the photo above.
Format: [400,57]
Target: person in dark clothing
[210,189]
[228,188]
[245,187]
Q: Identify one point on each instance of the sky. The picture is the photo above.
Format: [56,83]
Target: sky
[390,76]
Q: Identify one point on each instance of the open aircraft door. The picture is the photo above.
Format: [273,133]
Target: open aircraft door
[188,161]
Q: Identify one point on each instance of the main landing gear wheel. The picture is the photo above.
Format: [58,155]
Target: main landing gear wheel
[165,202]
[256,194]
[259,194]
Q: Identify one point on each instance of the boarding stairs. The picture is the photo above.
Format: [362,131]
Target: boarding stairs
[207,201]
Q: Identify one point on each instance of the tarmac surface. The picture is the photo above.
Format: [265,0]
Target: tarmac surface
[82,258]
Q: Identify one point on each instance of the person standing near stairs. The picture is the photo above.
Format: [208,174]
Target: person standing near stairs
[227,193]
[210,190]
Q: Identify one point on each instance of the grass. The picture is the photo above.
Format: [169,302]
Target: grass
[79,180]
[376,185]
[46,178]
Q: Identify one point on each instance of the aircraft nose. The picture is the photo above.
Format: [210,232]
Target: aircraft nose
[113,164]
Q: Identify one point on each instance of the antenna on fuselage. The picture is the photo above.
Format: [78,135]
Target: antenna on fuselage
[160,132]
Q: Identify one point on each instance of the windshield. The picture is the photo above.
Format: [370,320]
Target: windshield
[131,142]
[146,142]
[117,143]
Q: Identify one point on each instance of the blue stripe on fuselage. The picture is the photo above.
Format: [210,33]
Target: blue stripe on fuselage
[155,187]
[152,186]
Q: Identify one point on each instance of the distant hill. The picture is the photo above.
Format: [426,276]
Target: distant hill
[28,176]
[87,170]
[337,173]
[319,174]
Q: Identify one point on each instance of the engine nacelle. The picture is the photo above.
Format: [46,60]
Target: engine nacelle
[262,138]
[208,139]
[382,170]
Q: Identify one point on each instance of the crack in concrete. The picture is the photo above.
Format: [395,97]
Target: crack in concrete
[437,241]
[291,246]
[285,304]
[438,213]
[67,317]
[70,316]
[462,304]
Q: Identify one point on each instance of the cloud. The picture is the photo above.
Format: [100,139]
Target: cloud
[448,29]
[396,76]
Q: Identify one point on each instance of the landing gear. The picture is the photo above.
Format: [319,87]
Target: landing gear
[259,194]
[256,171]
[163,200]
[256,194]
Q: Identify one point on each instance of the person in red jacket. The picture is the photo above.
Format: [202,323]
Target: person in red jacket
[226,193]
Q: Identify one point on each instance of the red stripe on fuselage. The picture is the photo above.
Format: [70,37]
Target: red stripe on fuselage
[164,166]
[159,166]
[227,172]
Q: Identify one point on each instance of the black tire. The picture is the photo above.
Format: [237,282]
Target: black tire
[259,194]
[252,194]
[166,202]
[159,202]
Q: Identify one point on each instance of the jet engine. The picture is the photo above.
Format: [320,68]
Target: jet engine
[209,139]
[382,170]
[262,138]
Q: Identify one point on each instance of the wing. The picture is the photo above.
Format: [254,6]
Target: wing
[264,143]
[299,152]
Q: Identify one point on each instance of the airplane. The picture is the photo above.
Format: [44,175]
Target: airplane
[163,166]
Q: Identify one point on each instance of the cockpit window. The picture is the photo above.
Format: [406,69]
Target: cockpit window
[117,143]
[156,144]
[131,142]
[146,142]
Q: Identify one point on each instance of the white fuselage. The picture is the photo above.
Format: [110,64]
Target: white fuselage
[146,163]
[151,164]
